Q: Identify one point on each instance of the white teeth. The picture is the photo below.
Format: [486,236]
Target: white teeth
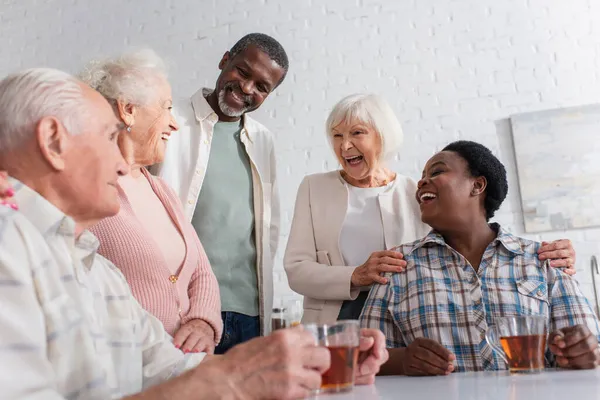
[427,196]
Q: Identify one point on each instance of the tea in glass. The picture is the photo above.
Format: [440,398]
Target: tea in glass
[340,376]
[342,340]
[520,341]
[524,353]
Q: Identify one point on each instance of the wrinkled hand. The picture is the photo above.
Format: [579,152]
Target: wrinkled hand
[195,336]
[560,253]
[372,354]
[575,347]
[427,357]
[6,192]
[378,263]
[285,365]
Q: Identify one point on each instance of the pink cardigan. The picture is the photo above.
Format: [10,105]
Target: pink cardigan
[128,245]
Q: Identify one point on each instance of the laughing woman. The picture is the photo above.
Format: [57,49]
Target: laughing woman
[346,221]
[150,240]
[468,273]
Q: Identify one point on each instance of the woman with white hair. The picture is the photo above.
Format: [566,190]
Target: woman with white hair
[344,221]
[150,240]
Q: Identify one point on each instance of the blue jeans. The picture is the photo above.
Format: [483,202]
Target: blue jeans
[237,328]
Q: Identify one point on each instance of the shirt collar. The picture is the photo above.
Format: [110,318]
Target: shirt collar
[388,190]
[51,221]
[507,240]
[203,110]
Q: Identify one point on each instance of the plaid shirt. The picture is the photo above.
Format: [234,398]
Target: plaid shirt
[442,297]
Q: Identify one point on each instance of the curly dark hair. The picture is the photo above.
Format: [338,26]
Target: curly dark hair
[482,162]
[266,44]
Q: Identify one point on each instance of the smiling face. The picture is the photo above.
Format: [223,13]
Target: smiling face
[357,147]
[246,80]
[447,193]
[151,126]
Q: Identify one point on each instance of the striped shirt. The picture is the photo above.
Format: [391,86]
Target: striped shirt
[442,297]
[70,327]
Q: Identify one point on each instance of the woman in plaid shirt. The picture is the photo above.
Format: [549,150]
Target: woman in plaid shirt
[467,273]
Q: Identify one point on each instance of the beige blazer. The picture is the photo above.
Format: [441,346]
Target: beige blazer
[313,261]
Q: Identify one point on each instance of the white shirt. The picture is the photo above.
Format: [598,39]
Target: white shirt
[362,230]
[69,325]
[184,168]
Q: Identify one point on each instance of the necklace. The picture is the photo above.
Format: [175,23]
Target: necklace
[383,182]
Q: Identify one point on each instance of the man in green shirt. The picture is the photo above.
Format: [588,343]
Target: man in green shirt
[222,164]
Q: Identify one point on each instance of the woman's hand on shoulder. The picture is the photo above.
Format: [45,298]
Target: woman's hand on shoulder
[378,263]
[560,253]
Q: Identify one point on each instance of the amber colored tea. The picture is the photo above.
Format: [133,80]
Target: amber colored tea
[340,376]
[524,353]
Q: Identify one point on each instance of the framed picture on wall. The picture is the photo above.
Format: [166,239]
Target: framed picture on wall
[558,162]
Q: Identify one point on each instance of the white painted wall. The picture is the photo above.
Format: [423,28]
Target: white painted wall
[451,68]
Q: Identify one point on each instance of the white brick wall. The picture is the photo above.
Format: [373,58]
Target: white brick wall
[450,68]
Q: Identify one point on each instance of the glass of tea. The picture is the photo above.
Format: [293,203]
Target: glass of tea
[278,319]
[341,339]
[294,312]
[520,341]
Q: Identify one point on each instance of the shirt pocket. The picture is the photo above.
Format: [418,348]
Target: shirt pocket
[64,330]
[532,297]
[120,330]
[323,258]
[317,304]
[313,304]
[125,352]
[70,347]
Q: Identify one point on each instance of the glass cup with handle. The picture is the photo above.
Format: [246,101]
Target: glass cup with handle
[520,341]
[342,340]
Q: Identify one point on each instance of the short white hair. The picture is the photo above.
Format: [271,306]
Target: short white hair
[374,111]
[28,96]
[130,78]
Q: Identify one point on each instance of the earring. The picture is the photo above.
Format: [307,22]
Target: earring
[128,129]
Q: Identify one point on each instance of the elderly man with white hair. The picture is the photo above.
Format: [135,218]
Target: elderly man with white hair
[71,328]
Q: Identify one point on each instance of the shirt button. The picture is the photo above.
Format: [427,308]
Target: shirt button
[477,302]
[198,172]
[205,141]
[190,201]
[539,293]
[179,311]
[482,335]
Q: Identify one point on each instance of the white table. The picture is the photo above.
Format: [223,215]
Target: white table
[548,385]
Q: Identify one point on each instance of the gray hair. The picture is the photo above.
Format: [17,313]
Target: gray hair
[130,78]
[374,111]
[28,96]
